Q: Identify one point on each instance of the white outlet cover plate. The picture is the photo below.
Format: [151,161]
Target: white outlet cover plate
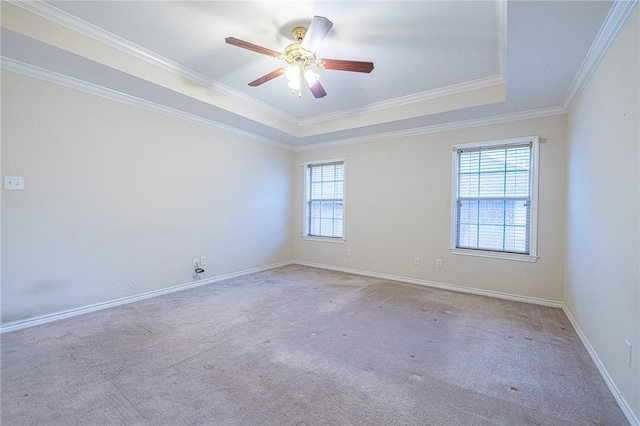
[15,183]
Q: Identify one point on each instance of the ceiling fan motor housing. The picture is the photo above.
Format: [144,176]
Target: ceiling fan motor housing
[295,55]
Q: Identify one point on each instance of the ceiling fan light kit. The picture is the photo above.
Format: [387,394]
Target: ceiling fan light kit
[300,55]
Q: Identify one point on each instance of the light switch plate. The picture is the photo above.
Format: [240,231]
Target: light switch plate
[14,183]
[627,352]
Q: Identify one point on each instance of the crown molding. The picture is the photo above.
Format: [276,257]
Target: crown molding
[94,89]
[67,20]
[455,89]
[61,17]
[114,95]
[444,127]
[500,78]
[616,18]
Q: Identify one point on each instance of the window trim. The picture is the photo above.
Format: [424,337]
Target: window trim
[305,236]
[533,229]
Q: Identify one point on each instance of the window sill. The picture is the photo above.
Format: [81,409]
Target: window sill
[496,255]
[335,240]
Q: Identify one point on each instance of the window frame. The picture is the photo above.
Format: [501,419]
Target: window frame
[305,229]
[532,256]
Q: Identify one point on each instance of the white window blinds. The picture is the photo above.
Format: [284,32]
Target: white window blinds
[494,198]
[325,200]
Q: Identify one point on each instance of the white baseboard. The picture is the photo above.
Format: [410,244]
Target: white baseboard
[629,414]
[458,288]
[622,402]
[32,322]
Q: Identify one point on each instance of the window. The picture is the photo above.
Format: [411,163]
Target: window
[324,196]
[495,199]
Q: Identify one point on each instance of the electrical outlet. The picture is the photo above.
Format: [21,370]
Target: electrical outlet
[348,252]
[438,263]
[416,260]
[203,260]
[15,183]
[195,262]
[627,352]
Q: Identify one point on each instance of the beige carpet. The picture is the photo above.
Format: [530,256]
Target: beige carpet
[303,346]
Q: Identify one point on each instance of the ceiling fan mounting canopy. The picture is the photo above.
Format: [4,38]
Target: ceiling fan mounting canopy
[299,33]
[301,54]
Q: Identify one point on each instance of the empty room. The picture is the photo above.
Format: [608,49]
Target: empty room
[320,212]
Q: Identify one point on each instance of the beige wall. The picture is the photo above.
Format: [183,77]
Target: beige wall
[398,206]
[602,290]
[119,200]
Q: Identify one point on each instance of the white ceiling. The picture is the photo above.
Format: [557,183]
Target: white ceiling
[436,62]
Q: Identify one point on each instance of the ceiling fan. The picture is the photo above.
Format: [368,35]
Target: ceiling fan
[300,55]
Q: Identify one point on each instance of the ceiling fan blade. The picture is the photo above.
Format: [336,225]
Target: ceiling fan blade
[340,65]
[250,46]
[317,31]
[267,77]
[318,90]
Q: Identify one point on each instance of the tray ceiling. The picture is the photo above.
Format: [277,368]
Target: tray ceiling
[436,62]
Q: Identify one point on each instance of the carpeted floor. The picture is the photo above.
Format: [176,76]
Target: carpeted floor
[304,346]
